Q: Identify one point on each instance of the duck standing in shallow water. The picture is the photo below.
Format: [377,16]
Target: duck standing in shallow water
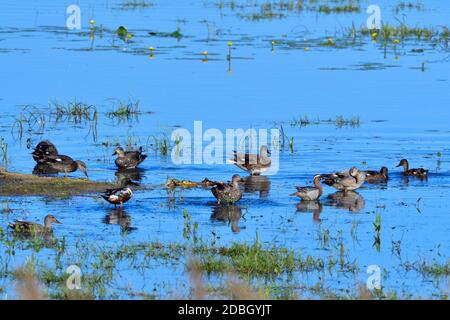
[118,196]
[59,164]
[228,192]
[345,181]
[310,193]
[128,159]
[32,228]
[253,163]
[44,149]
[418,172]
[373,176]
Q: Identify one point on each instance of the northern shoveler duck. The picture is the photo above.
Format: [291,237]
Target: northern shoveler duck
[253,163]
[60,164]
[117,196]
[345,181]
[32,228]
[418,172]
[382,175]
[228,192]
[128,159]
[310,193]
[44,149]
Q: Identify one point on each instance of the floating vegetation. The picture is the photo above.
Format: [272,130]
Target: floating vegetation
[340,122]
[175,34]
[339,9]
[135,4]
[409,6]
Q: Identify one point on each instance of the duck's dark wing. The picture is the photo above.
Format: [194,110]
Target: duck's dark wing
[57,159]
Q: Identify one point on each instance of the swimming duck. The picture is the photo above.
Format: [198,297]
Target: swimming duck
[32,228]
[117,196]
[228,192]
[59,163]
[310,193]
[128,159]
[43,149]
[418,172]
[377,176]
[345,181]
[253,163]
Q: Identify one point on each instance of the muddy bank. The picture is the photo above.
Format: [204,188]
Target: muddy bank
[30,185]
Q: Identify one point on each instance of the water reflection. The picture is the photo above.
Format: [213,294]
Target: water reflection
[126,177]
[121,218]
[228,213]
[311,206]
[350,200]
[257,184]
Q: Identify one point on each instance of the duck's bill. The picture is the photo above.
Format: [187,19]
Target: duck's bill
[57,222]
[399,165]
[268,152]
[115,153]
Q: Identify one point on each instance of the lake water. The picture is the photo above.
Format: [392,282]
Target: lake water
[401,99]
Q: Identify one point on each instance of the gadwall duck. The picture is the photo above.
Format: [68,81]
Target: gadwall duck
[228,192]
[255,164]
[345,181]
[128,159]
[372,175]
[417,172]
[44,149]
[60,164]
[117,196]
[32,228]
[310,193]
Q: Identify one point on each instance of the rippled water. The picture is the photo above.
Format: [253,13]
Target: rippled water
[403,113]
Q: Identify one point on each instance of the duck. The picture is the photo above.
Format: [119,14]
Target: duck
[118,196]
[344,181]
[310,193]
[255,164]
[54,164]
[229,193]
[32,228]
[372,175]
[43,149]
[417,172]
[128,159]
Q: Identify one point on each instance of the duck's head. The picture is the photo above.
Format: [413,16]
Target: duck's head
[82,167]
[403,163]
[49,219]
[236,179]
[119,152]
[264,151]
[353,171]
[384,171]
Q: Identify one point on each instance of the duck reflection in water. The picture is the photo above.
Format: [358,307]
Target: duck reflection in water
[349,200]
[311,206]
[228,213]
[120,218]
[257,184]
[130,176]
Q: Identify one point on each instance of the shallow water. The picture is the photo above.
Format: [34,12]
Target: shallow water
[403,113]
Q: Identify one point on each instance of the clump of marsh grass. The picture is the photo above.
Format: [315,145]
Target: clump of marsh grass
[4,150]
[125,110]
[28,286]
[75,110]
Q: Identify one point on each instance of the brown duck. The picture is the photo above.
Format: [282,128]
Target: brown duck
[417,172]
[32,228]
[59,164]
[228,192]
[44,149]
[372,176]
[310,193]
[255,164]
[128,159]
